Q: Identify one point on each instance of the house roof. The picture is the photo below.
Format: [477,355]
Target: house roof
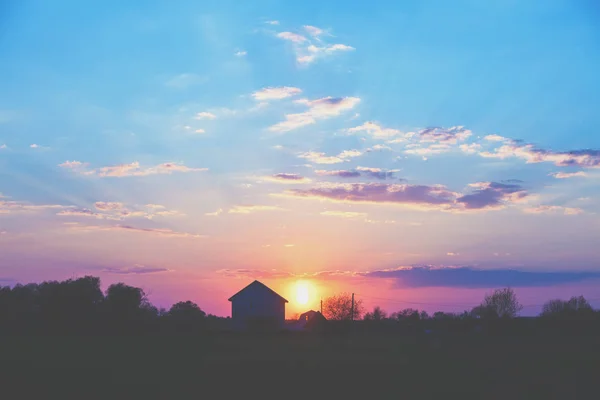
[258,285]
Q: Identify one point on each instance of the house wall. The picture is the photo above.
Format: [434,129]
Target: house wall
[254,302]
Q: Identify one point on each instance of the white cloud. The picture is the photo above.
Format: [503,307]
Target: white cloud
[323,108]
[3,146]
[471,148]
[292,37]
[344,214]
[313,30]
[275,93]
[251,209]
[215,213]
[132,169]
[322,158]
[375,130]
[274,22]
[566,175]
[495,138]
[34,146]
[199,131]
[205,115]
[240,53]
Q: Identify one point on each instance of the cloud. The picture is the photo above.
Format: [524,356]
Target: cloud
[109,206]
[251,209]
[468,277]
[495,138]
[72,164]
[344,214]
[286,178]
[471,148]
[35,146]
[339,173]
[313,30]
[200,131]
[205,115]
[451,135]
[275,93]
[3,146]
[452,254]
[546,209]
[292,37]
[82,212]
[375,130]
[135,270]
[126,170]
[566,175]
[127,228]
[240,53]
[10,207]
[492,195]
[416,196]
[274,22]
[586,158]
[214,214]
[487,195]
[312,52]
[186,80]
[117,211]
[323,108]
[376,173]
[322,158]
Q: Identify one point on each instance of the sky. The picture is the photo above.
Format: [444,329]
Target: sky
[418,153]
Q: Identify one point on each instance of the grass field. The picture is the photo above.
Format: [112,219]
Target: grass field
[367,366]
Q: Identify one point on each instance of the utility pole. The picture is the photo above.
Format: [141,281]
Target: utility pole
[352,312]
[321,306]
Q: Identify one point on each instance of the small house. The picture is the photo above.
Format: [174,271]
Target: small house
[257,307]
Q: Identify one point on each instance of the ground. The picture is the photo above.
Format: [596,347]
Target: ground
[366,366]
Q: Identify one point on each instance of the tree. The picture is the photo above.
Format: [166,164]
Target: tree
[339,307]
[572,307]
[502,303]
[186,316]
[408,314]
[377,315]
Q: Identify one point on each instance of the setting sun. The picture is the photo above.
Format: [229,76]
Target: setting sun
[302,295]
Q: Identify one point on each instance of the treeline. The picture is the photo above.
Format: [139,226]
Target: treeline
[497,313]
[80,306]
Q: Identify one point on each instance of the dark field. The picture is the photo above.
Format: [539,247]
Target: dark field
[377,366]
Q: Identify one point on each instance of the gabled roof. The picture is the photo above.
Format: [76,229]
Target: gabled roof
[260,285]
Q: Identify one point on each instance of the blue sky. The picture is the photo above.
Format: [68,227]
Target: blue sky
[310,127]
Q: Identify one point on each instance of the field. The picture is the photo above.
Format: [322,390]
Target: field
[342,365]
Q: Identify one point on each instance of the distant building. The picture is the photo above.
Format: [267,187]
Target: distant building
[308,320]
[257,307]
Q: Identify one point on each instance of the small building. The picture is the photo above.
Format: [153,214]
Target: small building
[309,320]
[257,307]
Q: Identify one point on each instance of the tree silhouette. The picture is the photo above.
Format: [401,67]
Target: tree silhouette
[186,316]
[376,315]
[339,307]
[502,303]
[575,306]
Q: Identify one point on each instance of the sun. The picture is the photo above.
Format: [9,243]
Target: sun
[302,295]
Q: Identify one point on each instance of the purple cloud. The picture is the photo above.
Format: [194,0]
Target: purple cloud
[135,270]
[376,173]
[419,196]
[468,277]
[492,195]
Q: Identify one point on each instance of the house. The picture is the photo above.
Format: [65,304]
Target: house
[309,320]
[257,307]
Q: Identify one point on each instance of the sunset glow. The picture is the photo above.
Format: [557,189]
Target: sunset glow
[302,293]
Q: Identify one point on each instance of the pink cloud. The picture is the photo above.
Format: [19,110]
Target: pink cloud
[323,108]
[126,170]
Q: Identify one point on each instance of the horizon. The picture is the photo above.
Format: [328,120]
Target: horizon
[418,155]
